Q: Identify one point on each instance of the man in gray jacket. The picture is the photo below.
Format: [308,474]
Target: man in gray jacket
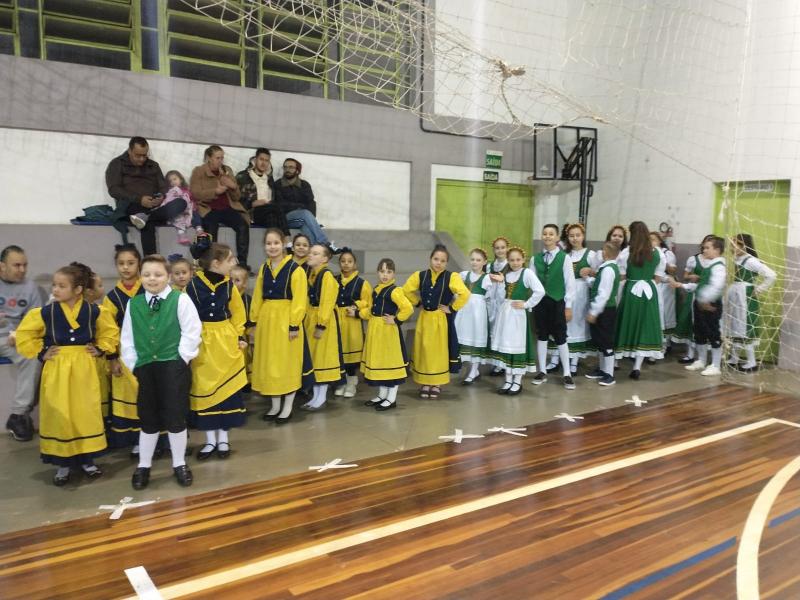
[17,296]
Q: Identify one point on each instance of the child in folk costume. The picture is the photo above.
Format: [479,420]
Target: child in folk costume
[666,293]
[160,337]
[355,293]
[551,314]
[240,278]
[436,351]
[743,307]
[301,246]
[322,326]
[94,295]
[218,372]
[602,314]
[708,307]
[124,430]
[582,259]
[68,335]
[638,320]
[499,265]
[384,361]
[472,321]
[181,272]
[684,325]
[279,305]
[513,344]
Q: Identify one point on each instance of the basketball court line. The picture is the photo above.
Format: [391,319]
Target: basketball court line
[279,561]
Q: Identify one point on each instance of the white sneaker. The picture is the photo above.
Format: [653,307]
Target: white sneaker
[349,391]
[711,371]
[696,366]
[339,391]
[139,220]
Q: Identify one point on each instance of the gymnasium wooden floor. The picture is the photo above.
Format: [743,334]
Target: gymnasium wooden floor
[639,502]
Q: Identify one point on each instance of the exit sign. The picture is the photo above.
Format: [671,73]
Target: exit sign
[494,159]
[493,176]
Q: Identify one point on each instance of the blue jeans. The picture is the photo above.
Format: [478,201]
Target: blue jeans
[306,222]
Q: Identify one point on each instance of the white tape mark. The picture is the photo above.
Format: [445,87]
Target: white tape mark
[142,584]
[636,401]
[747,587]
[568,417]
[460,436]
[123,505]
[509,430]
[336,463]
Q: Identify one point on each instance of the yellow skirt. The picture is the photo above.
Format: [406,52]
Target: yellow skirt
[383,358]
[430,364]
[218,371]
[124,390]
[352,337]
[248,353]
[277,361]
[326,351]
[70,421]
[104,373]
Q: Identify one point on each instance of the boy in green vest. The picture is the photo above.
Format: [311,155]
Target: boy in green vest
[160,336]
[554,270]
[602,314]
[708,307]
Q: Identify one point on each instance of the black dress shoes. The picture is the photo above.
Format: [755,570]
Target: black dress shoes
[183,475]
[141,477]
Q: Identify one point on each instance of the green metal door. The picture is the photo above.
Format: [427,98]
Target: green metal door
[475,213]
[764,214]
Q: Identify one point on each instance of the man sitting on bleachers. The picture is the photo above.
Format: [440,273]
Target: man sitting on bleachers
[137,185]
[18,295]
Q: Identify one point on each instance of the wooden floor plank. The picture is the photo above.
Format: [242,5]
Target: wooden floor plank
[555,542]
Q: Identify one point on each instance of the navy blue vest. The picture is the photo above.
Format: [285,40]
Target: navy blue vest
[212,305]
[58,331]
[433,295]
[120,300]
[350,293]
[382,303]
[315,291]
[280,286]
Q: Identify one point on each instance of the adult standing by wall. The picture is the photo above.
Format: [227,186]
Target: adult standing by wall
[18,295]
[136,183]
[214,187]
[257,188]
[296,199]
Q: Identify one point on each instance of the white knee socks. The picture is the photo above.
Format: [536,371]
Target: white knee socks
[147,445]
[473,371]
[288,403]
[701,353]
[608,365]
[222,436]
[637,363]
[716,357]
[541,355]
[750,352]
[211,437]
[563,354]
[320,391]
[276,405]
[177,446]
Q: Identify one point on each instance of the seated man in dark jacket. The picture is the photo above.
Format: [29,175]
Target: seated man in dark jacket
[136,183]
[257,188]
[295,197]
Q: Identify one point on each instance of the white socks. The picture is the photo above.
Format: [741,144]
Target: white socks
[147,445]
[211,437]
[509,379]
[391,394]
[62,472]
[288,403]
[608,365]
[637,363]
[541,355]
[177,445]
[516,380]
[716,357]
[690,348]
[320,391]
[474,370]
[701,353]
[750,352]
[276,405]
[222,436]
[352,380]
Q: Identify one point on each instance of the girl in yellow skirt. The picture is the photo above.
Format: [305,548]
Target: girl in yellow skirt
[355,294]
[436,352]
[125,426]
[68,335]
[322,326]
[384,361]
[94,295]
[218,372]
[280,299]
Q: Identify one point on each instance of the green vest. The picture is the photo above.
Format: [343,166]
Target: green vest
[517,290]
[742,273]
[156,333]
[705,276]
[612,299]
[552,275]
[475,287]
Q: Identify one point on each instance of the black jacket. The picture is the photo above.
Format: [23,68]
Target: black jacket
[127,183]
[293,197]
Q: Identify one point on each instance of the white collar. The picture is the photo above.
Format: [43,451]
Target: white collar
[607,262]
[162,294]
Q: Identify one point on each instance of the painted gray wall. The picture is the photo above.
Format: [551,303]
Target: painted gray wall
[36,94]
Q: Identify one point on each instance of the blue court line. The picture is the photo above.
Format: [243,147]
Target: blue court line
[639,584]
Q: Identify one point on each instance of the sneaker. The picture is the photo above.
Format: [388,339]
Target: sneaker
[334,248]
[349,391]
[20,427]
[539,378]
[711,371]
[553,367]
[139,220]
[339,391]
[607,380]
[569,384]
[696,366]
[596,374]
